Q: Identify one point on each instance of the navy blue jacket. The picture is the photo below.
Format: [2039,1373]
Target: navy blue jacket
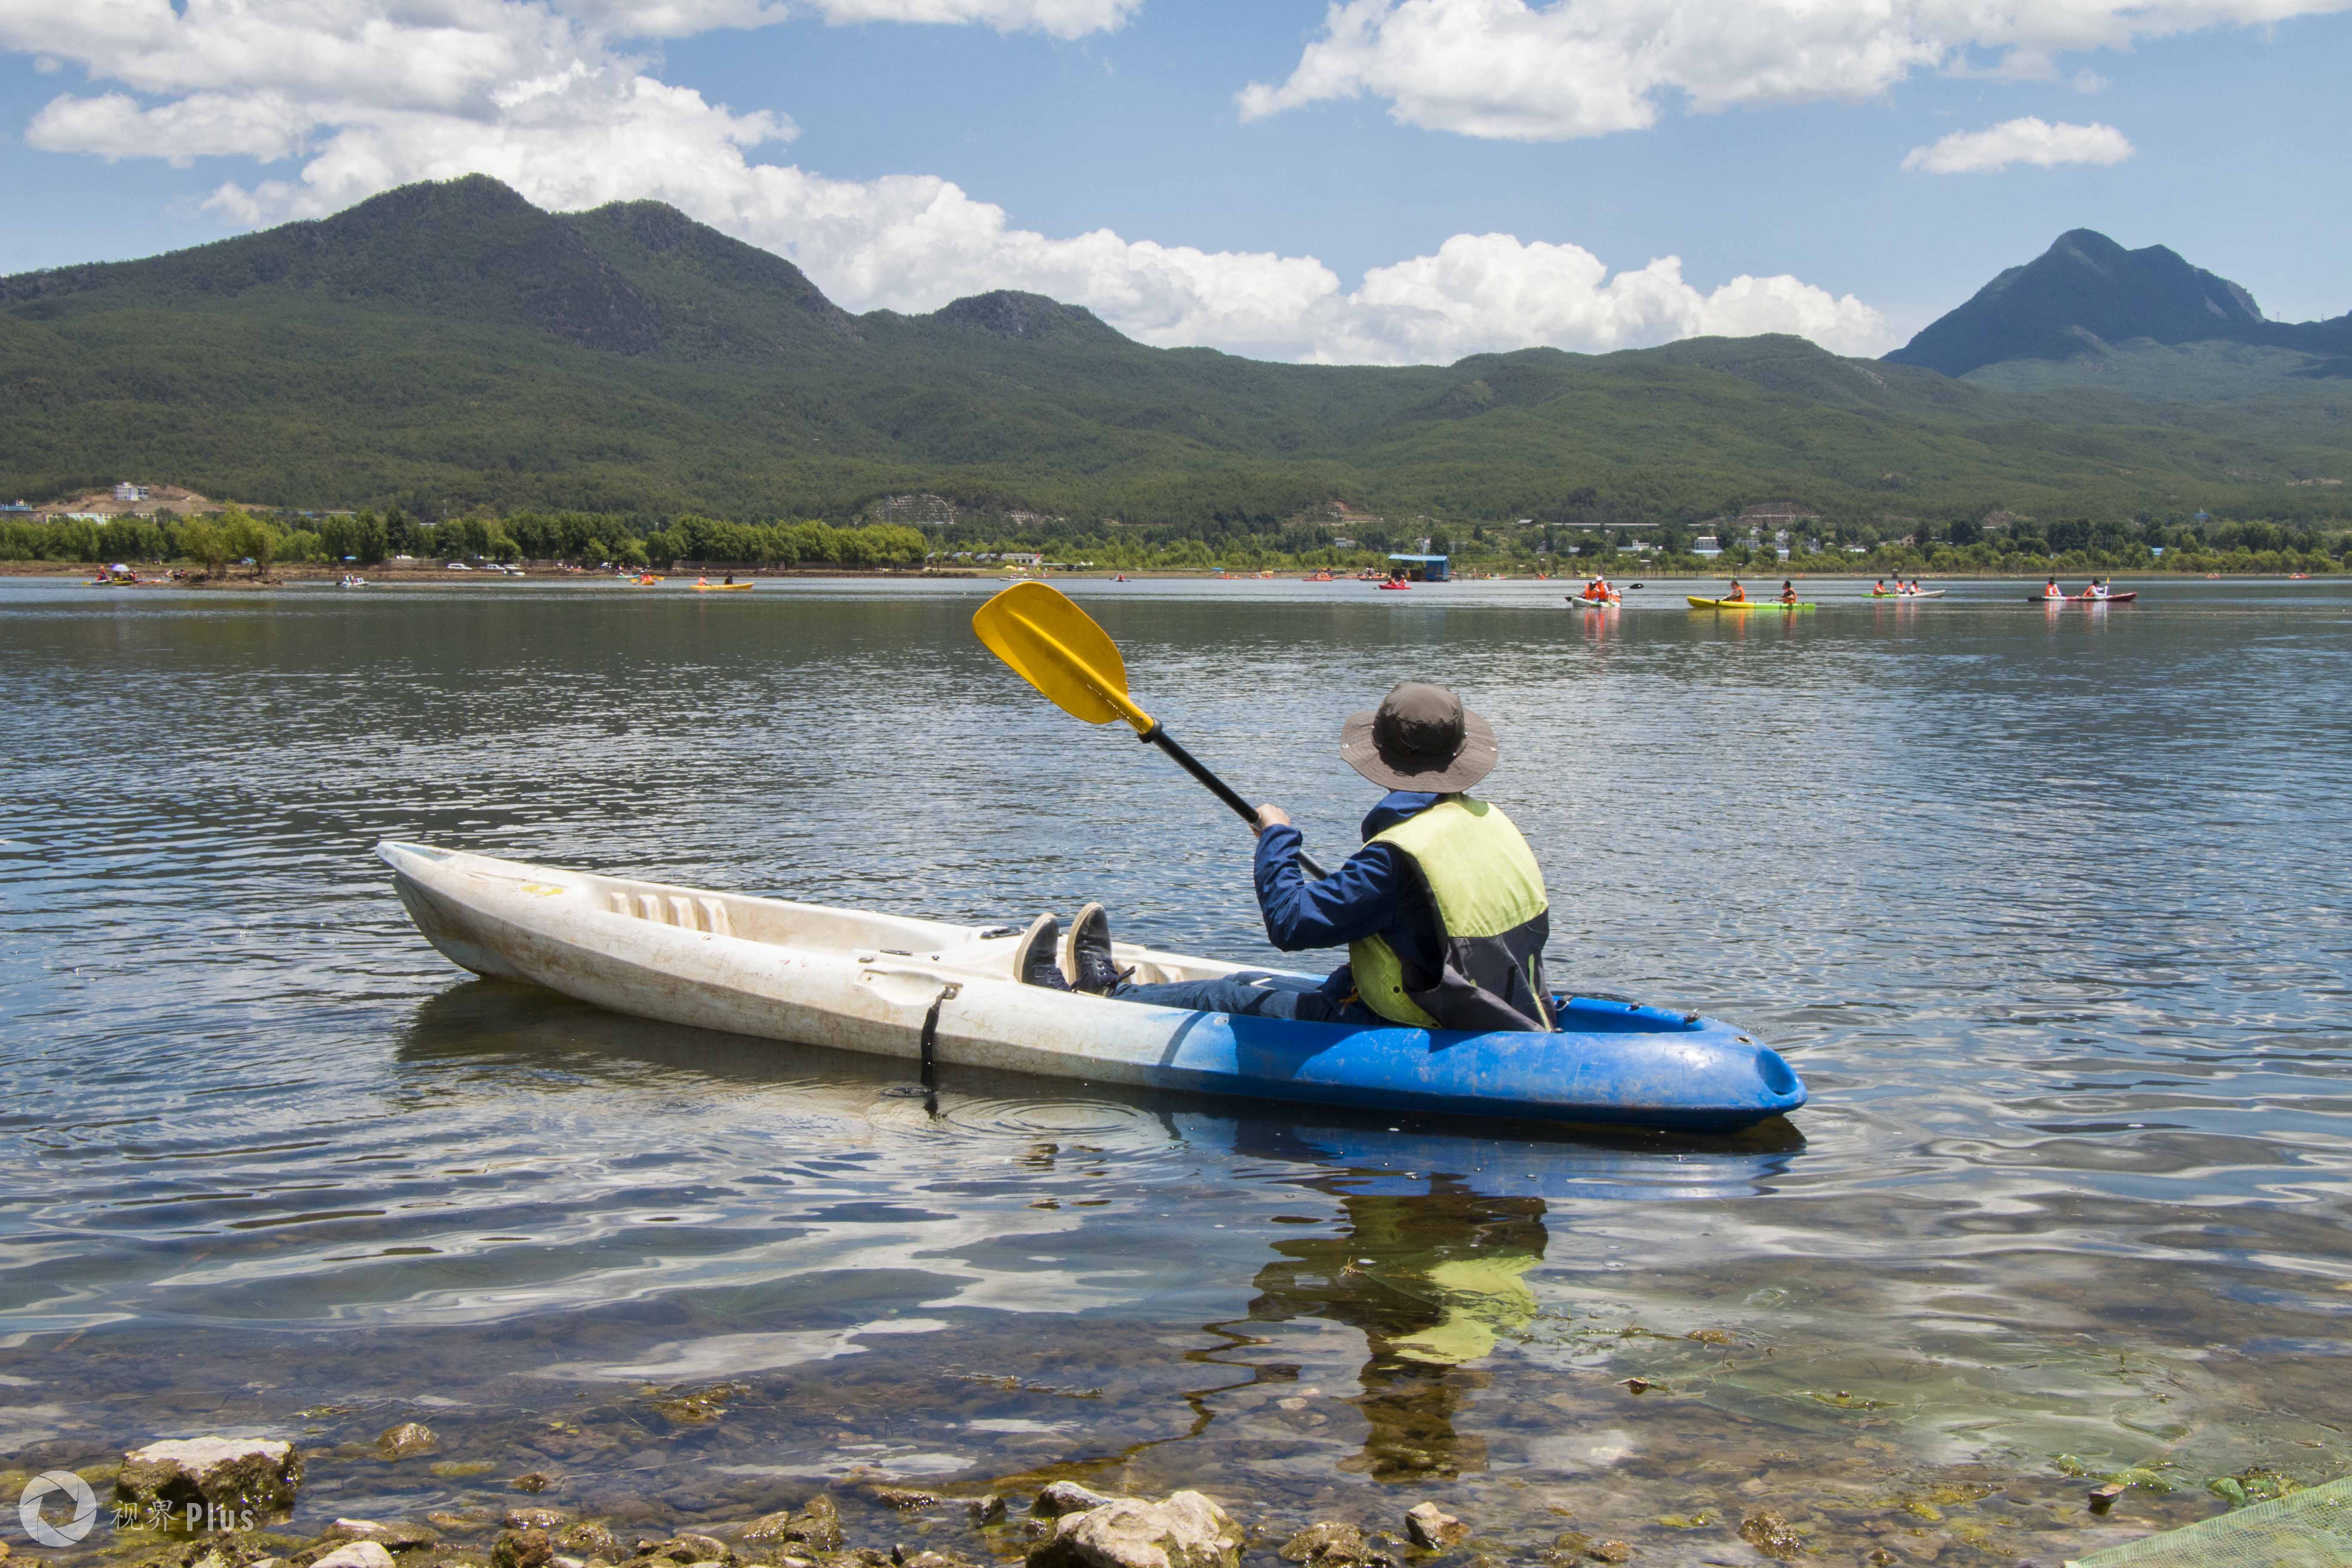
[1377,892]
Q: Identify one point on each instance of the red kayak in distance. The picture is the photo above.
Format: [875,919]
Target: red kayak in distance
[2078,599]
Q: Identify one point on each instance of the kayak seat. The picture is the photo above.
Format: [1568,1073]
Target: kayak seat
[676,909]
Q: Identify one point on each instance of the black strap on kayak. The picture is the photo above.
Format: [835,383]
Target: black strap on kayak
[931,1049]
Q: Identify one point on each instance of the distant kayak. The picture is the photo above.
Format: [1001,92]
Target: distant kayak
[722,587]
[929,993]
[1699,603]
[1611,602]
[2078,599]
[1394,587]
[1922,594]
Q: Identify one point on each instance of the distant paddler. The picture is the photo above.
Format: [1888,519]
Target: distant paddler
[1737,595]
[2051,590]
[1788,591]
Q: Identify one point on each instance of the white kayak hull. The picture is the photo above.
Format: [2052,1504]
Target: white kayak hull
[936,993]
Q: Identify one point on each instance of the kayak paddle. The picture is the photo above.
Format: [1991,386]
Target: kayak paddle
[1057,647]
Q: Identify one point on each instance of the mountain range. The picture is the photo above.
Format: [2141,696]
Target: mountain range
[447,345]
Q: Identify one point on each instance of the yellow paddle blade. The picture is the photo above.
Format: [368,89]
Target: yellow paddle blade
[1057,647]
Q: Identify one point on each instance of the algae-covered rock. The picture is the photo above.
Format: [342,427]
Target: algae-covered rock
[1328,1545]
[1772,1534]
[817,1528]
[589,1539]
[1188,1531]
[523,1549]
[231,1475]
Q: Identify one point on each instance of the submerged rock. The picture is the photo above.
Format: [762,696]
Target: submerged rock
[905,1499]
[988,1510]
[533,1519]
[533,1481]
[1431,1528]
[1188,1531]
[692,1548]
[230,1473]
[407,1439]
[815,1529]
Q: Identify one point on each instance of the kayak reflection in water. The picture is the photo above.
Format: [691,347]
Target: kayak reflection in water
[1430,1281]
[1443,911]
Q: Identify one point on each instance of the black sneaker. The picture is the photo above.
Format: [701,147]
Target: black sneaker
[1035,960]
[1092,968]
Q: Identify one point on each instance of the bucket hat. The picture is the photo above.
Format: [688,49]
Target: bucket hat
[1420,738]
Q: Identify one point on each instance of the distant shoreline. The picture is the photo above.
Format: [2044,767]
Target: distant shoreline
[386,575]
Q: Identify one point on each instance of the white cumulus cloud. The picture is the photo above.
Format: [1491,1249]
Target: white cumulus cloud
[2031,140]
[1539,72]
[355,97]
[1489,291]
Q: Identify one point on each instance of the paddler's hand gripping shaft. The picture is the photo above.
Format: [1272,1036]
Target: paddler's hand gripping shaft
[1057,647]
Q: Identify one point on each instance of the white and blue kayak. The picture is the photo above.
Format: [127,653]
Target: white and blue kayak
[935,994]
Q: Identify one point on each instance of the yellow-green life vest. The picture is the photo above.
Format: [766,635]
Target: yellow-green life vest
[1487,893]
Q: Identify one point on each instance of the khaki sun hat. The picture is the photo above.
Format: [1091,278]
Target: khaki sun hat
[1420,738]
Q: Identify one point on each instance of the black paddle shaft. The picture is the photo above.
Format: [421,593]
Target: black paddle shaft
[1160,737]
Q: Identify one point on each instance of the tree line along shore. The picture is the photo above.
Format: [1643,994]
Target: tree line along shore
[240,540]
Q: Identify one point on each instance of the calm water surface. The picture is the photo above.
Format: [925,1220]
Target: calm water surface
[2049,908]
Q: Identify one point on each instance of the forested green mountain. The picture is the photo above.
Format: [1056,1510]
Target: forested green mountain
[447,346]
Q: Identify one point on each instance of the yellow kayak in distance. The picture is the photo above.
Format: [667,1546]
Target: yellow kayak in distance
[1699,603]
[722,587]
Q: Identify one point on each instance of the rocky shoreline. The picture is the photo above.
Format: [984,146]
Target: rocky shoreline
[219,1502]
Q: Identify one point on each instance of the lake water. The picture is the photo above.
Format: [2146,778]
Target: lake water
[2050,908]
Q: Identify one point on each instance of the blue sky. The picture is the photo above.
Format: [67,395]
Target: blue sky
[929,158]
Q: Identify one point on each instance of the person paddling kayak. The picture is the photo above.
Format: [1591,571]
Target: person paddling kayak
[2051,590]
[1737,595]
[1443,911]
[1787,592]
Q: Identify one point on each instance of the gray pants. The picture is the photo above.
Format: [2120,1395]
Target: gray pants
[1252,993]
